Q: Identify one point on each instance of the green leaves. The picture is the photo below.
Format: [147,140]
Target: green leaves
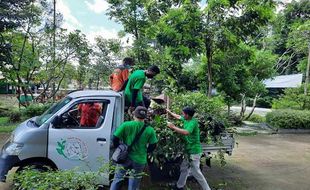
[293,98]
[289,119]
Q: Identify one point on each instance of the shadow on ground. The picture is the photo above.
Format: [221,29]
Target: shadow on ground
[261,162]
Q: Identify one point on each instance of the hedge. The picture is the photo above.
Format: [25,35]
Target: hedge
[289,119]
[36,109]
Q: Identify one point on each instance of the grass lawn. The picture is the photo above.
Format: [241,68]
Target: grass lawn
[6,126]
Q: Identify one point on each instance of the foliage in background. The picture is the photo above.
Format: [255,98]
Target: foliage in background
[15,116]
[289,119]
[35,109]
[203,105]
[290,38]
[6,126]
[293,98]
[241,70]
[265,101]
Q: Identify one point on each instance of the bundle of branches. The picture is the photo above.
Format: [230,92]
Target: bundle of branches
[170,145]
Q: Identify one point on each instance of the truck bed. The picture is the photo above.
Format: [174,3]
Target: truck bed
[226,144]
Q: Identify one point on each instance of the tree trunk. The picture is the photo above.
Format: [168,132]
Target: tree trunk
[97,84]
[307,73]
[54,47]
[209,76]
[228,110]
[208,45]
[253,107]
[243,106]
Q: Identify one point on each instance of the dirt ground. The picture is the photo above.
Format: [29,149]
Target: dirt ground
[266,162]
[262,162]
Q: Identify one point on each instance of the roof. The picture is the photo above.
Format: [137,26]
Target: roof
[284,81]
[87,93]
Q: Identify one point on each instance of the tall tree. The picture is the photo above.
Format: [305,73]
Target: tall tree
[187,30]
[20,61]
[70,47]
[240,72]
[299,41]
[288,20]
[106,54]
[133,16]
[13,14]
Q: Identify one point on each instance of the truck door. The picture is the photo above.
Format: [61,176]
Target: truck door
[81,136]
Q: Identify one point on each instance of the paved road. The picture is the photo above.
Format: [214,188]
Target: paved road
[259,111]
[262,162]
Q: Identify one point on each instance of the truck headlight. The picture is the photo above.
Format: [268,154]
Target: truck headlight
[14,148]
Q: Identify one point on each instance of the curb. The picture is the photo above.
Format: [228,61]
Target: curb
[293,131]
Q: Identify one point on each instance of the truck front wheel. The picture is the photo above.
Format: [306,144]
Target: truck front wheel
[36,166]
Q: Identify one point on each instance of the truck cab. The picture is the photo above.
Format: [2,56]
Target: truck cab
[61,139]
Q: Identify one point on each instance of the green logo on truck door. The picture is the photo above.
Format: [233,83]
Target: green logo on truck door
[72,149]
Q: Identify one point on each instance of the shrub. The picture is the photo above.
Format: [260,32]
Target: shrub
[289,119]
[257,118]
[293,98]
[30,178]
[4,112]
[15,116]
[36,109]
[69,179]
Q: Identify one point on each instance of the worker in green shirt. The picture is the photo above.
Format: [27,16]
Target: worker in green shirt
[134,87]
[193,148]
[138,153]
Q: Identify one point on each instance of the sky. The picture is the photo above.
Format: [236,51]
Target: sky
[89,16]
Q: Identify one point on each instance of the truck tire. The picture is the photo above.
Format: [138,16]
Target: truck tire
[37,166]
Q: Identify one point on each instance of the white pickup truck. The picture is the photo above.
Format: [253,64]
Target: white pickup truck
[58,139]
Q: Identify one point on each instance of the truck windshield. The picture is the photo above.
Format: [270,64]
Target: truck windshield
[51,111]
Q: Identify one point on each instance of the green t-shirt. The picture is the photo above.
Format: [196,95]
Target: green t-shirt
[135,81]
[192,141]
[127,133]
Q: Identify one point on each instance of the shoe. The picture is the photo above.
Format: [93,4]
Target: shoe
[101,187]
[174,186]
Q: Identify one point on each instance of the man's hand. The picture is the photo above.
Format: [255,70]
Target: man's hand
[131,108]
[170,125]
[168,111]
[176,116]
[177,129]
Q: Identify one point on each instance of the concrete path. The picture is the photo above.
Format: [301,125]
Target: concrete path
[259,111]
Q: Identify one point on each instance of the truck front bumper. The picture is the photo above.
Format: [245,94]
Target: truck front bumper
[7,162]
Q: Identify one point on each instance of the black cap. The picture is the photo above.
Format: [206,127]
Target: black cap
[189,111]
[140,112]
[154,69]
[128,61]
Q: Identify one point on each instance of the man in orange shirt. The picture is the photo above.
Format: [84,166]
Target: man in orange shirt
[120,75]
[90,113]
